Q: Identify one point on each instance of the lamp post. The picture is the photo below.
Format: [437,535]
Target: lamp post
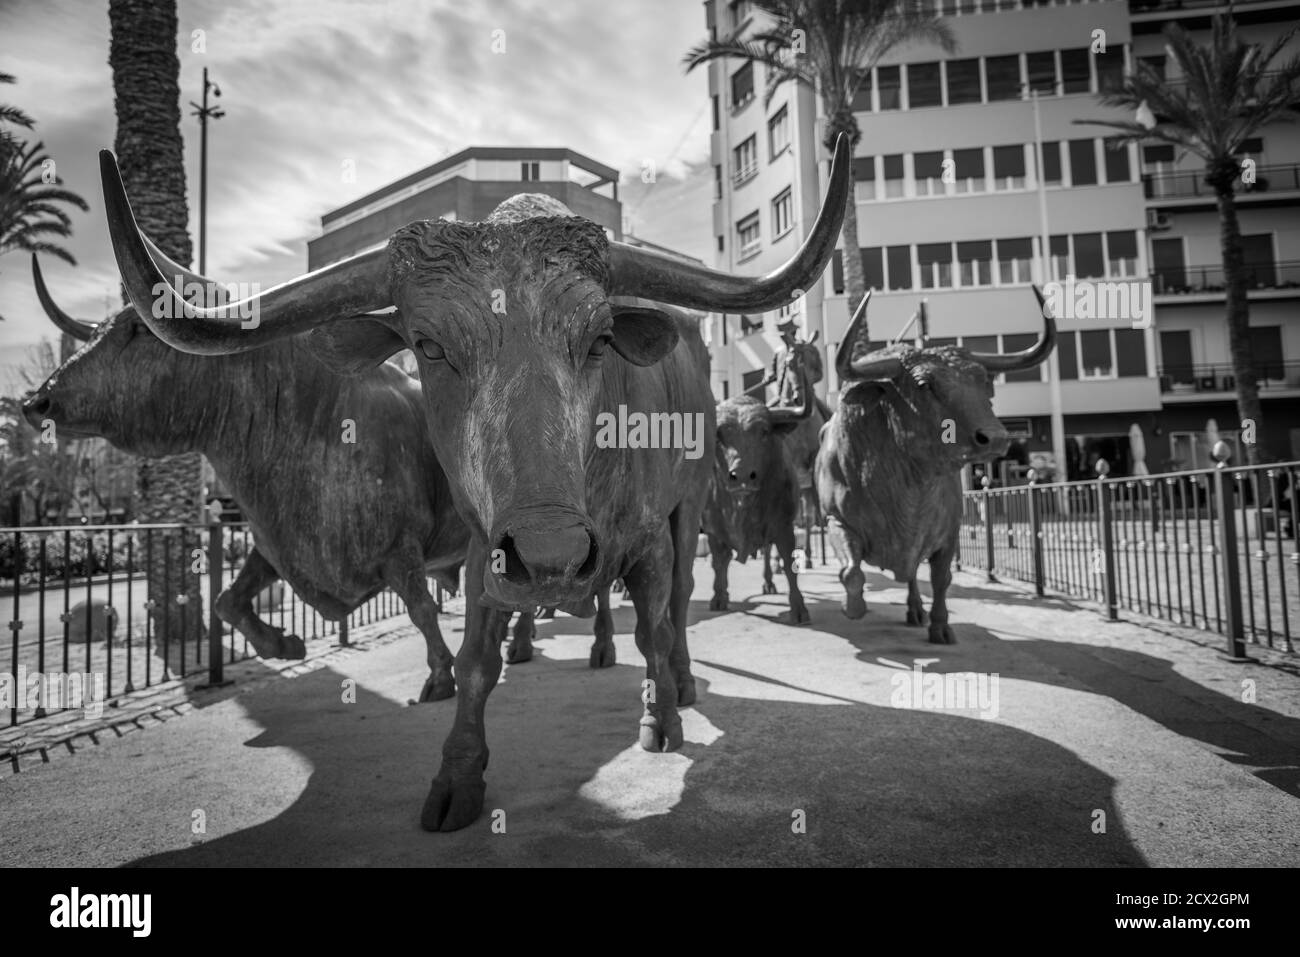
[204,113]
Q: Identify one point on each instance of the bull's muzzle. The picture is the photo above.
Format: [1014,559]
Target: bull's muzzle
[37,407]
[541,564]
[991,443]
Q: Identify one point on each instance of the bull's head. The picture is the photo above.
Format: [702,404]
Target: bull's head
[123,384]
[949,389]
[517,324]
[749,439]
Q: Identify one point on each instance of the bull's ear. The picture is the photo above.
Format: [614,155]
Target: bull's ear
[354,346]
[642,334]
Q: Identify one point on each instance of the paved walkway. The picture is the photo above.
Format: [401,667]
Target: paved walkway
[1149,735]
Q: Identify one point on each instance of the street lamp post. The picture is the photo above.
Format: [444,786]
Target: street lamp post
[204,113]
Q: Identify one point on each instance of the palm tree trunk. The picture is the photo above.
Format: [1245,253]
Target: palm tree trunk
[150,153]
[1249,408]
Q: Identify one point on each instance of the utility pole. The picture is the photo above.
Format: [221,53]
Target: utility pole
[204,113]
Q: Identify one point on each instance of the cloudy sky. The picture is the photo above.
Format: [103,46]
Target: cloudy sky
[392,85]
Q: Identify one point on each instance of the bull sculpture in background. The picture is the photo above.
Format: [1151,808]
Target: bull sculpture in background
[755,492]
[527,327]
[888,473]
[338,521]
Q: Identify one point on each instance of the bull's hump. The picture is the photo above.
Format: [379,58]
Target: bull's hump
[522,206]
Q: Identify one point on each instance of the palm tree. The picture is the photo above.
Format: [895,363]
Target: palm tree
[829,46]
[1226,94]
[11,114]
[150,154]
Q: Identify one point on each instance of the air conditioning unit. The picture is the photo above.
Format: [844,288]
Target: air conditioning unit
[1158,220]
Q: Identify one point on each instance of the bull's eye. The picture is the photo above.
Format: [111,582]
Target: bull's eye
[432,351]
[598,346]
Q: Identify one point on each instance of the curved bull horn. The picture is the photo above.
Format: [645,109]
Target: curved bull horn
[844,354]
[1028,358]
[81,331]
[355,285]
[780,415]
[641,272]
[876,367]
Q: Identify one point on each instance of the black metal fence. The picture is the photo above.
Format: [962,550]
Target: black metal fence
[80,605]
[1214,549]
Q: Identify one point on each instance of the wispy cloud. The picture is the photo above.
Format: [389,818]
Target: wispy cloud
[390,85]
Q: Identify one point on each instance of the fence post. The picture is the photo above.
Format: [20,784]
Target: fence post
[988,527]
[1107,540]
[343,632]
[1035,533]
[1228,567]
[216,650]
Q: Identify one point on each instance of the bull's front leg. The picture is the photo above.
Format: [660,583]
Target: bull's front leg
[520,648]
[234,606]
[785,546]
[940,579]
[650,585]
[456,796]
[769,586]
[915,610]
[849,550]
[408,579]
[602,649]
[721,559]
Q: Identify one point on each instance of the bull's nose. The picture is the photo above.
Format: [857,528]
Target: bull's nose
[539,556]
[996,441]
[36,407]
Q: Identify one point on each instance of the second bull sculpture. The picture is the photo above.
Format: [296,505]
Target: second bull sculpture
[888,469]
[526,328]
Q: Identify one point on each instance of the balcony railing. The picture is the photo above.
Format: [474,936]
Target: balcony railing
[1162,6]
[1219,377]
[744,174]
[1192,182]
[1188,280]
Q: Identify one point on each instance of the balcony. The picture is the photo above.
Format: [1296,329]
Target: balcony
[1190,184]
[1218,379]
[744,174]
[1196,280]
[1174,6]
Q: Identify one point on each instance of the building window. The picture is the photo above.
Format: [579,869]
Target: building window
[1121,253]
[1266,347]
[862,95]
[1052,163]
[1115,153]
[1131,352]
[1067,349]
[1059,253]
[721,244]
[778,131]
[935,260]
[1015,258]
[747,236]
[1110,68]
[1041,70]
[742,86]
[968,167]
[1076,76]
[975,263]
[1003,77]
[739,11]
[751,379]
[964,81]
[530,172]
[923,86]
[1018,342]
[864,176]
[1009,167]
[894,175]
[1154,63]
[1083,163]
[782,213]
[717,182]
[1088,260]
[1095,353]
[928,168]
[890,85]
[898,259]
[746,160]
[717,120]
[873,269]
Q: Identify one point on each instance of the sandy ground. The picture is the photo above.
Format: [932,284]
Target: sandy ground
[1110,745]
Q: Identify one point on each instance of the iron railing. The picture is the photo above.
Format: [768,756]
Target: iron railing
[80,604]
[1221,377]
[1187,280]
[1192,182]
[1214,549]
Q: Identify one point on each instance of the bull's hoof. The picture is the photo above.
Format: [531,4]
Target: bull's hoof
[799,615]
[855,606]
[656,737]
[602,655]
[280,645]
[941,634]
[685,692]
[439,686]
[769,588]
[916,616]
[718,603]
[453,803]
[518,652]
